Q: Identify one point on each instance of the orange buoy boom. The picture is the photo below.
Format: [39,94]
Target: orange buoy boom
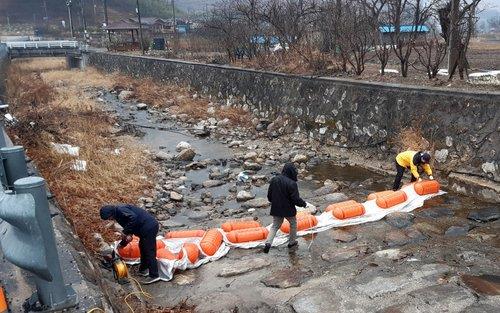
[185,233]
[426,187]
[193,253]
[304,222]
[211,242]
[165,253]
[132,251]
[349,211]
[240,224]
[376,195]
[392,199]
[3,302]
[247,235]
[339,205]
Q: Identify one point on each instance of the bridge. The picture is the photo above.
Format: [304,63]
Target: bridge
[29,49]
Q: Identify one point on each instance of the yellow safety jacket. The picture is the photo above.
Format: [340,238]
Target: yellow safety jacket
[405,159]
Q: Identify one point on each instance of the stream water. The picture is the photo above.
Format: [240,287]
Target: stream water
[306,261]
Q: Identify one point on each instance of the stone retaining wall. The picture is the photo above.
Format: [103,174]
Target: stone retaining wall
[464,126]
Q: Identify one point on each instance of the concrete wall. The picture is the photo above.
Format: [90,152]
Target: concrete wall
[464,125]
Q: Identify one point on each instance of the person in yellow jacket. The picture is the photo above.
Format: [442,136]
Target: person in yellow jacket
[411,160]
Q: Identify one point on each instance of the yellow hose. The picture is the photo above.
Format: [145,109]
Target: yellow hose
[141,292]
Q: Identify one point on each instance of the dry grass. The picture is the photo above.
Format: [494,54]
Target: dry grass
[62,115]
[89,78]
[411,139]
[40,65]
[177,99]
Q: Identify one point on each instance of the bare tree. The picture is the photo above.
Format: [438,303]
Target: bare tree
[431,52]
[356,34]
[458,19]
[412,14]
[290,20]
[225,21]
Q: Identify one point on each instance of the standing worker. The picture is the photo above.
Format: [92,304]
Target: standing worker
[137,221]
[283,194]
[411,160]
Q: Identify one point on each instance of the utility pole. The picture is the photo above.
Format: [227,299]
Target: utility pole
[173,17]
[46,17]
[68,4]
[82,6]
[138,11]
[105,4]
[175,26]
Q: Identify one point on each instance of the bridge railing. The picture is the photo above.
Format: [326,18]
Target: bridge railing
[53,44]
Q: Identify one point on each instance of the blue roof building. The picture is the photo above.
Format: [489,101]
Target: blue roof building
[387,29]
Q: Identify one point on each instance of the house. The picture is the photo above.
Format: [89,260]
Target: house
[386,31]
[154,24]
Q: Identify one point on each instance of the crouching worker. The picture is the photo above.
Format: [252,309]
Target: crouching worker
[136,221]
[283,194]
[411,160]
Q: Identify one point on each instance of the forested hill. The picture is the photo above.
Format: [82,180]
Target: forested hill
[33,11]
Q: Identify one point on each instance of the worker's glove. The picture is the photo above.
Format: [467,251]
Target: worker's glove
[431,177]
[126,239]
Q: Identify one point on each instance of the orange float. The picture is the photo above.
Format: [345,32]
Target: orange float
[349,211]
[193,253]
[392,199]
[164,253]
[185,233]
[339,205]
[132,251]
[211,242]
[241,224]
[376,195]
[304,222]
[3,302]
[248,234]
[426,187]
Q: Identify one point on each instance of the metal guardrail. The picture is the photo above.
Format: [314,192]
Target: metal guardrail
[53,44]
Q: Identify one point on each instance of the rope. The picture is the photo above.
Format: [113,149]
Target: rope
[96,309]
[141,292]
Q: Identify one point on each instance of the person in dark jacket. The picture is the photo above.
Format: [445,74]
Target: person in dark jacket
[136,221]
[283,194]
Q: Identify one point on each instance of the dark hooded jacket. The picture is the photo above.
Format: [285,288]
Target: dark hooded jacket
[283,193]
[134,220]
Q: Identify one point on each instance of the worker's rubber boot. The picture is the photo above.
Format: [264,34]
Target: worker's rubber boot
[144,273]
[267,247]
[150,280]
[293,244]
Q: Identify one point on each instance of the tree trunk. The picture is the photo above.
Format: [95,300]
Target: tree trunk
[454,37]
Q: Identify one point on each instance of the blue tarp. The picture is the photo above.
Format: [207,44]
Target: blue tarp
[404,29]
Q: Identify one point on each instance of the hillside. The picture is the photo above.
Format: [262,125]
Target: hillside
[34,11]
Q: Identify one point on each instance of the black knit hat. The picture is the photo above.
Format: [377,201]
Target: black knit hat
[426,157]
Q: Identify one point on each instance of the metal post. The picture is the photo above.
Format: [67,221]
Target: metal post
[82,6]
[174,20]
[14,163]
[52,293]
[138,11]
[105,4]
[3,142]
[68,4]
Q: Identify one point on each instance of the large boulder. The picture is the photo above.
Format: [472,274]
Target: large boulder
[125,95]
[186,155]
[244,195]
[164,156]
[182,145]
